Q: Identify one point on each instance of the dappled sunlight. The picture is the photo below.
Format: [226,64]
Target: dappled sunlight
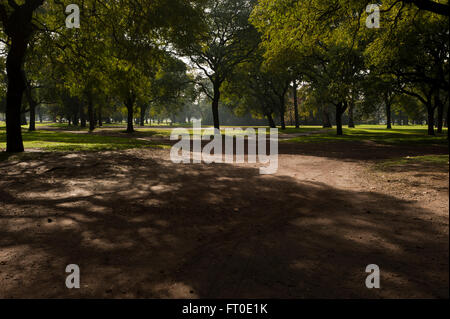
[177,290]
[90,240]
[174,225]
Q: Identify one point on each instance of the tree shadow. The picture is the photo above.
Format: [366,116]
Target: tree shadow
[360,150]
[140,226]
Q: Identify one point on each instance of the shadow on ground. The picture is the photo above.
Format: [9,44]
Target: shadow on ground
[360,150]
[139,226]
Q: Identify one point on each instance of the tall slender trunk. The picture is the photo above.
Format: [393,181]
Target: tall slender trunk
[297,117]
[100,120]
[270,120]
[143,110]
[23,118]
[40,114]
[215,105]
[351,119]
[129,103]
[431,111]
[75,117]
[339,124]
[283,109]
[16,87]
[82,115]
[32,126]
[95,117]
[340,109]
[326,117]
[447,121]
[17,24]
[31,103]
[440,108]
[91,114]
[282,120]
[388,115]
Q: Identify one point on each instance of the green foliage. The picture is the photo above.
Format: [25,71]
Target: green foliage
[228,41]
[343,61]
[126,58]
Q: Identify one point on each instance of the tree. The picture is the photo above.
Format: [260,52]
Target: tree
[420,65]
[119,26]
[379,90]
[171,87]
[18,27]
[328,53]
[333,33]
[40,80]
[228,41]
[250,89]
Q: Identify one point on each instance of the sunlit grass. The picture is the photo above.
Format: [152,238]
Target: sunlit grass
[225,130]
[402,135]
[114,138]
[434,160]
[73,142]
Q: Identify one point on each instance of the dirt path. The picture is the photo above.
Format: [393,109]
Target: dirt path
[141,226]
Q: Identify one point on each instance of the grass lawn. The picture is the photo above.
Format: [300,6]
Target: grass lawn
[73,142]
[79,139]
[397,135]
[433,160]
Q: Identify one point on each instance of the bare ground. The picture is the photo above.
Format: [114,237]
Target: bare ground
[140,226]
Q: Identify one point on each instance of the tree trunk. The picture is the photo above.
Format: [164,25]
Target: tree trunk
[91,115]
[270,120]
[297,117]
[339,123]
[75,118]
[215,106]
[143,110]
[447,121]
[40,114]
[16,87]
[282,111]
[95,117]
[17,24]
[340,109]
[351,120]
[100,120]
[82,115]
[129,105]
[440,108]
[32,126]
[282,121]
[326,118]
[23,118]
[431,111]
[388,115]
[31,103]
